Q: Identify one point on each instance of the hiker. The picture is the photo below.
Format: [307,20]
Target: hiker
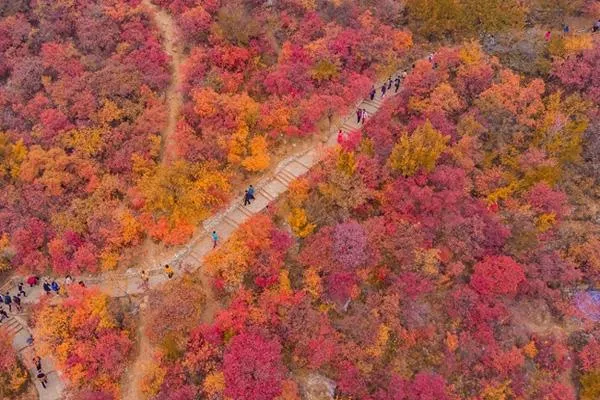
[373,93]
[145,279]
[55,287]
[32,281]
[397,84]
[20,289]
[42,378]
[8,301]
[47,287]
[383,90]
[430,57]
[215,238]
[169,271]
[565,29]
[340,136]
[37,361]
[68,280]
[547,36]
[404,74]
[596,27]
[364,115]
[358,115]
[3,314]
[251,192]
[246,198]
[17,301]
[389,83]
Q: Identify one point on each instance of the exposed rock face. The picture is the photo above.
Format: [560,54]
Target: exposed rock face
[316,387]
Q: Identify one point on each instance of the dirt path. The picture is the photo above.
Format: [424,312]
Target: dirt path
[170,37]
[143,357]
[174,102]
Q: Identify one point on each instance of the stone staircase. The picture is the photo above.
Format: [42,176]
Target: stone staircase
[268,190]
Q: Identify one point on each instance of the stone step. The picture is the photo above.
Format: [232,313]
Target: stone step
[194,256]
[230,221]
[237,216]
[371,109]
[296,165]
[12,326]
[285,181]
[302,161]
[349,128]
[266,195]
[245,211]
[287,173]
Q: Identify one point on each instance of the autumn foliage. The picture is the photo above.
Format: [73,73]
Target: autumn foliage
[434,260]
[13,376]
[88,337]
[82,89]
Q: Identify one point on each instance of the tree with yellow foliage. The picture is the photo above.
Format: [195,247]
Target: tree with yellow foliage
[259,158]
[11,157]
[419,151]
[183,191]
[298,220]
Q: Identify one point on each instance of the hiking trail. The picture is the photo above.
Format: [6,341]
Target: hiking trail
[189,258]
[174,96]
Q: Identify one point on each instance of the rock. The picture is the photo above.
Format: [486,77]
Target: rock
[316,387]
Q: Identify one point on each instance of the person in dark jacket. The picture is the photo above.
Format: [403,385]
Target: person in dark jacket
[3,314]
[37,361]
[47,287]
[42,378]
[17,301]
[373,93]
[8,301]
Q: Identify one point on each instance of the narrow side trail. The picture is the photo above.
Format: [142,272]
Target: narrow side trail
[132,379]
[174,101]
[174,97]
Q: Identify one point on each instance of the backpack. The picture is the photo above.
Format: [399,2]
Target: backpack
[55,286]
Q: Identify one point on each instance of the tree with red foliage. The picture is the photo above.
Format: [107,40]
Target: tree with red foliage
[581,73]
[497,275]
[253,367]
[349,245]
[428,386]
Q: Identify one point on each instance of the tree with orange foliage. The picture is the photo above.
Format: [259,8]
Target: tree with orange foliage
[88,338]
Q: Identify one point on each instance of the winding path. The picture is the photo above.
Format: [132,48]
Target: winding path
[174,99]
[190,257]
